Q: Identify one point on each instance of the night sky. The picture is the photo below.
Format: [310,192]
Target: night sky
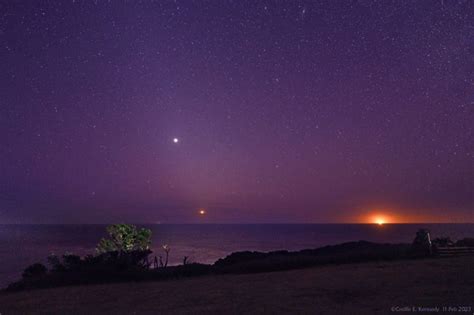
[285,111]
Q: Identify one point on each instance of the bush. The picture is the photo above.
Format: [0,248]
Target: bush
[442,242]
[249,262]
[34,271]
[55,263]
[105,263]
[71,262]
[465,242]
[125,238]
[136,259]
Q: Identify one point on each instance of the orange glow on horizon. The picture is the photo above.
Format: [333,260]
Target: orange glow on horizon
[380,219]
[381,215]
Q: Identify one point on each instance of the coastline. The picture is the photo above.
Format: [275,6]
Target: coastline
[22,245]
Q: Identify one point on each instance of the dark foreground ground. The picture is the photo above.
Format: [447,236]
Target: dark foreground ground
[366,288]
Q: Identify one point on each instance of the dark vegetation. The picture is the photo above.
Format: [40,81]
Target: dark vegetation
[125,256]
[465,242]
[353,252]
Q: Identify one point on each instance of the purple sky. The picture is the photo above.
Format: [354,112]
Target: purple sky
[286,111]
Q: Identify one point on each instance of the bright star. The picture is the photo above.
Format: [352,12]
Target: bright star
[175,140]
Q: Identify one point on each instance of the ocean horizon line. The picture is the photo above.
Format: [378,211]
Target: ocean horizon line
[243,223]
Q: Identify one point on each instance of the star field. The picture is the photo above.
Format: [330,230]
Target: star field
[257,111]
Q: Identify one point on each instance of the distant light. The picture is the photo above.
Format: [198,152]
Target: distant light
[380,221]
[175,140]
[202,211]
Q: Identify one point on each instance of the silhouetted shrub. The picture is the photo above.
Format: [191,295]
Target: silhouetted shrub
[55,263]
[442,242]
[71,262]
[34,271]
[122,257]
[465,242]
[105,263]
[249,262]
[136,259]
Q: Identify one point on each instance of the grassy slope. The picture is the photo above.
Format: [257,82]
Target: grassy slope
[346,289]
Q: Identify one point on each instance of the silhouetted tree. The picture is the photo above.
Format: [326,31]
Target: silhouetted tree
[33,271]
[125,238]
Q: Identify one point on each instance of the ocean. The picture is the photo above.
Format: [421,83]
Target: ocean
[22,245]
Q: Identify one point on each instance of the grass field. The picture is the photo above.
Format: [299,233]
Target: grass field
[365,288]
